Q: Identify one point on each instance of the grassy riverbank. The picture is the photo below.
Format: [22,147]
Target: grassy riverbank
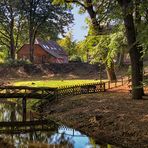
[54,83]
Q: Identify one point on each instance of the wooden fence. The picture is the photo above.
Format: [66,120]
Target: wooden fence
[80,89]
[119,82]
[49,92]
[59,92]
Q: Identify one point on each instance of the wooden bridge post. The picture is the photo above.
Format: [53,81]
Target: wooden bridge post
[122,80]
[24,108]
[108,84]
[115,83]
[73,91]
[104,89]
[56,94]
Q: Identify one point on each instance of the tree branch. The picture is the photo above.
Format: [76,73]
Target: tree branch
[105,13]
[7,40]
[5,44]
[5,28]
[102,3]
[76,1]
[7,37]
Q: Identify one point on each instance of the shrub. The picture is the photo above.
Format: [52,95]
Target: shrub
[75,58]
[14,63]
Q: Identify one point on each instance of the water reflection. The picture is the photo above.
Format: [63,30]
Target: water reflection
[40,135]
[10,112]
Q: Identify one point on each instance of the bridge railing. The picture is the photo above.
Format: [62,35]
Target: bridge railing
[80,89]
[50,92]
[25,91]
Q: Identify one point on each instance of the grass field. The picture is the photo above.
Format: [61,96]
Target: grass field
[54,83]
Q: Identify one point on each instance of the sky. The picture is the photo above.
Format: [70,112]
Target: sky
[79,30]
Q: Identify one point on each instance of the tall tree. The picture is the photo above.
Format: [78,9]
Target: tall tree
[10,25]
[130,12]
[118,44]
[98,12]
[40,13]
[68,44]
[135,55]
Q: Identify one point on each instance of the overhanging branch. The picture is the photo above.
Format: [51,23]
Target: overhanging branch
[7,37]
[75,1]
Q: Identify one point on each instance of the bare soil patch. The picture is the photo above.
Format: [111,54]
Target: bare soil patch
[109,117]
[52,71]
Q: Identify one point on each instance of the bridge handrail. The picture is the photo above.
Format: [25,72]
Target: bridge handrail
[28,87]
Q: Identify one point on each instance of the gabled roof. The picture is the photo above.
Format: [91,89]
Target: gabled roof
[51,47]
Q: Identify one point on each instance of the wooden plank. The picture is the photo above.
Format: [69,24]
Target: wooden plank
[25,123]
[31,130]
[24,106]
[27,87]
[28,95]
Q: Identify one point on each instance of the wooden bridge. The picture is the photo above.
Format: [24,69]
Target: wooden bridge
[28,92]
[49,92]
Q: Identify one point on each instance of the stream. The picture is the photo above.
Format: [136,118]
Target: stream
[41,135]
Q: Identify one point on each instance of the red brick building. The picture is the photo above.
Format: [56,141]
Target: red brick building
[44,52]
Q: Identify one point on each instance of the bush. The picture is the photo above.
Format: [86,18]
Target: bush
[14,63]
[75,58]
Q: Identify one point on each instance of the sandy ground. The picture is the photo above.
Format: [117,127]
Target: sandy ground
[109,117]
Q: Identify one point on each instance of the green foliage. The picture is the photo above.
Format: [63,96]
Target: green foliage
[103,48]
[15,63]
[68,44]
[10,25]
[29,19]
[75,58]
[56,2]
[55,83]
[43,18]
[143,36]
[97,47]
[2,56]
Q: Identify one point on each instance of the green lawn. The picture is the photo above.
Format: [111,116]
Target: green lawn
[54,83]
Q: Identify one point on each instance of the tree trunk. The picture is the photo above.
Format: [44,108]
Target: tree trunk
[120,59]
[12,46]
[92,14]
[126,5]
[31,53]
[31,42]
[88,6]
[140,48]
[97,31]
[141,67]
[111,72]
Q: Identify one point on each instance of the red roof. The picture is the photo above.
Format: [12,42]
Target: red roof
[52,48]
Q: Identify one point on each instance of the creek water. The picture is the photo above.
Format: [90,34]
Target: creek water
[39,136]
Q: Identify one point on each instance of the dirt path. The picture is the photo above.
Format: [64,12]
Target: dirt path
[109,117]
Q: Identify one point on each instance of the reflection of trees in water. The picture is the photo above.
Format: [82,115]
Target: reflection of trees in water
[9,111]
[22,140]
[50,137]
[13,112]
